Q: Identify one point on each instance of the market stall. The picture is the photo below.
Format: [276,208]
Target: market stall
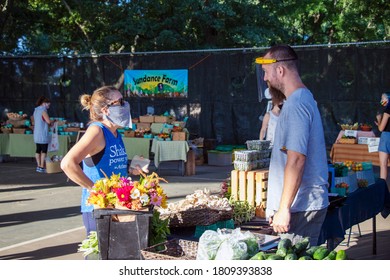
[22,145]
[137,146]
[353,152]
[170,151]
[360,205]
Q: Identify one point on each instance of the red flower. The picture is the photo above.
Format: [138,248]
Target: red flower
[123,193]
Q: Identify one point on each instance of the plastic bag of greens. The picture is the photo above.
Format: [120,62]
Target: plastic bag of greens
[208,245]
[240,245]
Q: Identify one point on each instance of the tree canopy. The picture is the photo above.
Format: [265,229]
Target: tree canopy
[112,26]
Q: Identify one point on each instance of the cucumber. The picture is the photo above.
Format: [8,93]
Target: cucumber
[341,255]
[275,257]
[310,251]
[331,256]
[259,256]
[282,252]
[301,246]
[320,253]
[291,256]
[303,258]
[285,243]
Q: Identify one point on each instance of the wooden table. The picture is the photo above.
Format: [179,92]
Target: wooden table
[353,152]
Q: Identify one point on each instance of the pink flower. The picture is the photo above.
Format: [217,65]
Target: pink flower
[155,199]
[123,193]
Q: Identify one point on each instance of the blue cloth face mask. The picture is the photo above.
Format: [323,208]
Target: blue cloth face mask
[120,115]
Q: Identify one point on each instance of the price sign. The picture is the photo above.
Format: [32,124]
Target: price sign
[352,133]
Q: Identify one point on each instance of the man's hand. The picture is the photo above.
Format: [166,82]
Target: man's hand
[281,221]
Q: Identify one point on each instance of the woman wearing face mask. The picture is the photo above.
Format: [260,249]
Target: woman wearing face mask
[101,148]
[383,124]
[270,120]
[41,132]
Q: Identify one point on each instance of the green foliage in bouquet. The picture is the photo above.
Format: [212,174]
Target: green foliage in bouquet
[159,229]
[90,245]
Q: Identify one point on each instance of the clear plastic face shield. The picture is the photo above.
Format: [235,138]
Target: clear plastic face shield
[261,84]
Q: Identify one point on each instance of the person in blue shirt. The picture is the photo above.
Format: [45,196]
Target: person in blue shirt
[383,123]
[41,132]
[297,196]
[101,148]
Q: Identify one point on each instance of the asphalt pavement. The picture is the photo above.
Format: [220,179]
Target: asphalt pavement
[40,213]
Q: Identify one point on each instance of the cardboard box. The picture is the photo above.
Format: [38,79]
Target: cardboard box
[164,119]
[179,136]
[146,119]
[19,130]
[53,167]
[364,140]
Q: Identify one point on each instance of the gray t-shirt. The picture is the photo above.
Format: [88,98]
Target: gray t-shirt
[300,129]
[41,128]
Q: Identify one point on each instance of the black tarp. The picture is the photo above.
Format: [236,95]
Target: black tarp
[223,101]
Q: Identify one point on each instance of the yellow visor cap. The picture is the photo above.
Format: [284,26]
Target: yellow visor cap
[262,60]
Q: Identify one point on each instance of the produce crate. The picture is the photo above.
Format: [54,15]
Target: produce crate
[18,123]
[53,167]
[72,129]
[196,217]
[122,240]
[245,165]
[250,186]
[146,119]
[351,180]
[179,136]
[347,140]
[129,133]
[19,130]
[199,230]
[258,144]
[6,129]
[175,249]
[143,125]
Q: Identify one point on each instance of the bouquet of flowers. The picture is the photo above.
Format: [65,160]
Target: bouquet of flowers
[122,192]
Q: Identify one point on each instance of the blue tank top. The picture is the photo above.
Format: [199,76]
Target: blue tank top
[114,160]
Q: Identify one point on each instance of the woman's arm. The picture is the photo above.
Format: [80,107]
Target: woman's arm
[91,143]
[264,126]
[382,122]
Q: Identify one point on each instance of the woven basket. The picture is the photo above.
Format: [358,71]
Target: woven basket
[175,249]
[197,217]
[347,141]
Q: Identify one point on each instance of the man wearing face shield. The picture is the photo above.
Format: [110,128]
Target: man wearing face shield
[297,198]
[101,148]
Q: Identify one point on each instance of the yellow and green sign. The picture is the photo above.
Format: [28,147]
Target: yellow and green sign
[156,83]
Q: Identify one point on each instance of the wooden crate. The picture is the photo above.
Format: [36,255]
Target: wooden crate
[250,186]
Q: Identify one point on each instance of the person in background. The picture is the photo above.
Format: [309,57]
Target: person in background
[270,120]
[41,132]
[383,123]
[297,197]
[101,148]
